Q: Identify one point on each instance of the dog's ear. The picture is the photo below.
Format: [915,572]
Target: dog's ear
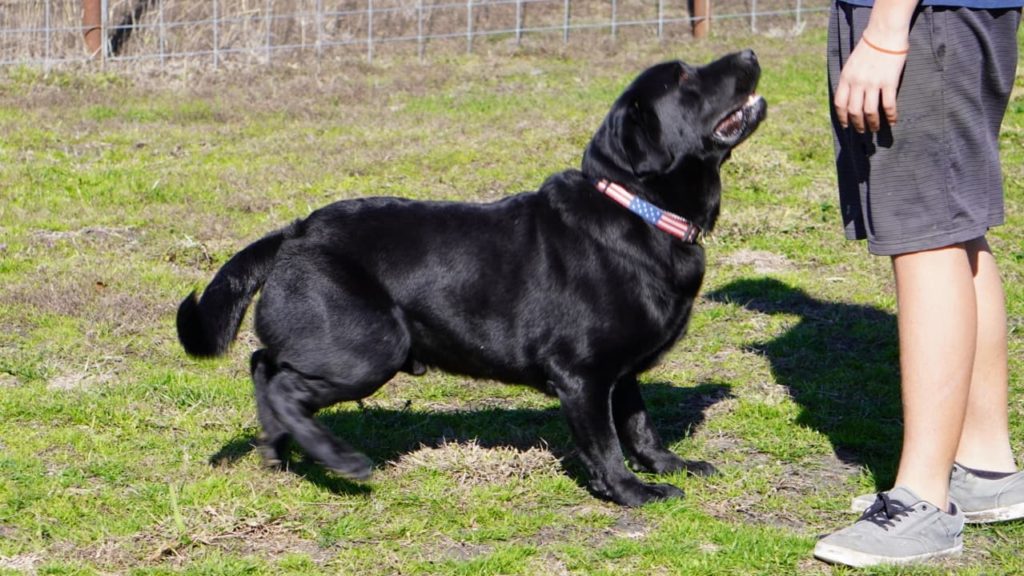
[642,140]
[629,140]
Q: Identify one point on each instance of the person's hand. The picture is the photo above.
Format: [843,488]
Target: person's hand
[869,80]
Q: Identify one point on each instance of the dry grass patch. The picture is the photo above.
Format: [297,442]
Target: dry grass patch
[762,261]
[93,236]
[469,464]
[23,563]
[80,380]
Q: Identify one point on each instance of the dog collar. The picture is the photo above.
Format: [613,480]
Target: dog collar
[661,219]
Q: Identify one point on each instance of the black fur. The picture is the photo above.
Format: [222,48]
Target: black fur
[561,289]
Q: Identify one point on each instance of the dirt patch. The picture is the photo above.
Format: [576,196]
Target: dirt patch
[8,381]
[91,235]
[444,548]
[260,537]
[762,261]
[24,563]
[625,524]
[548,564]
[254,538]
[80,380]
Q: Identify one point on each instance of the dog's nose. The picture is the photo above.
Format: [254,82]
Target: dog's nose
[749,56]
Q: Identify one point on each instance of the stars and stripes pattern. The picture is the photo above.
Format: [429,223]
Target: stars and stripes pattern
[666,221]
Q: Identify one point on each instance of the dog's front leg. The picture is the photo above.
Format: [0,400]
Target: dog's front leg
[646,450]
[587,406]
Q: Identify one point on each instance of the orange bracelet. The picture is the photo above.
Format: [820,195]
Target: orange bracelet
[883,50]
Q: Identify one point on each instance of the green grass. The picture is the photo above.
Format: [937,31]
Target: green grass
[123,191]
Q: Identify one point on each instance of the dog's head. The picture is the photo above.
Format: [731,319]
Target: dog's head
[667,135]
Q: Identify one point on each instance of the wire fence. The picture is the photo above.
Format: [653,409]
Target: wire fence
[52,32]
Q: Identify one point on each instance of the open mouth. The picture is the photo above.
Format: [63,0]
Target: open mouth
[735,124]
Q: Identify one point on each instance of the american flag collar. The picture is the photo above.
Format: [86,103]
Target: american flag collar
[661,219]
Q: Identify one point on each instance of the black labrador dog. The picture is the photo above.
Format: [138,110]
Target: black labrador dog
[574,289]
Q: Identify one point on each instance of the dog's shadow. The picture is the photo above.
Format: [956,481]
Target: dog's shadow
[840,363]
[385,434]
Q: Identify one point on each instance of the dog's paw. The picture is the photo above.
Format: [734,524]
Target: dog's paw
[637,493]
[661,462]
[353,466]
[699,468]
[665,462]
[273,454]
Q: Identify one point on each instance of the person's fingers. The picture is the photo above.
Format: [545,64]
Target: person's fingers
[840,101]
[855,110]
[871,110]
[889,103]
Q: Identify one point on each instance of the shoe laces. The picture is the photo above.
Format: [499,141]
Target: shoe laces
[885,512]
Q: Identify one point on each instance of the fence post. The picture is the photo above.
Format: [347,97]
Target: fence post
[419,28]
[753,15]
[615,10]
[104,26]
[216,33]
[701,20]
[519,21]
[369,31]
[163,33]
[661,18]
[49,26]
[565,24]
[270,24]
[319,20]
[469,26]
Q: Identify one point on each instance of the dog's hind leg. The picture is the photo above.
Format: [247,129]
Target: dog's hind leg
[334,335]
[586,404]
[273,441]
[342,357]
[641,441]
[294,399]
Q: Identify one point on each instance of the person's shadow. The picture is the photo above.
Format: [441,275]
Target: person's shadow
[385,434]
[840,363]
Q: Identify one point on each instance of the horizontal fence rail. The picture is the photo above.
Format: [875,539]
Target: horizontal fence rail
[53,32]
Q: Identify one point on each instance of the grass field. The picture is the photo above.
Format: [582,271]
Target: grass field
[122,191]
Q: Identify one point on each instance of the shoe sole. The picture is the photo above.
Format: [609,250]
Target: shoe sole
[839,555]
[1002,514]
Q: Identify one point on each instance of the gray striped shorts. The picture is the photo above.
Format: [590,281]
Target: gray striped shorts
[933,179]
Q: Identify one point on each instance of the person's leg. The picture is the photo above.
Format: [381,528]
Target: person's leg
[985,440]
[937,320]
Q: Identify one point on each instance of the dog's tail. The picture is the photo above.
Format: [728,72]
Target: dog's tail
[207,325]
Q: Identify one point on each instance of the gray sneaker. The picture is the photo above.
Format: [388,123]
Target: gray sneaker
[898,528]
[982,500]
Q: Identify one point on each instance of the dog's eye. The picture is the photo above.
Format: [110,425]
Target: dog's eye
[684,75]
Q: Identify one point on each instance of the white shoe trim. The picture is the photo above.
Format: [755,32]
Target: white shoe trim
[1001,514]
[840,555]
